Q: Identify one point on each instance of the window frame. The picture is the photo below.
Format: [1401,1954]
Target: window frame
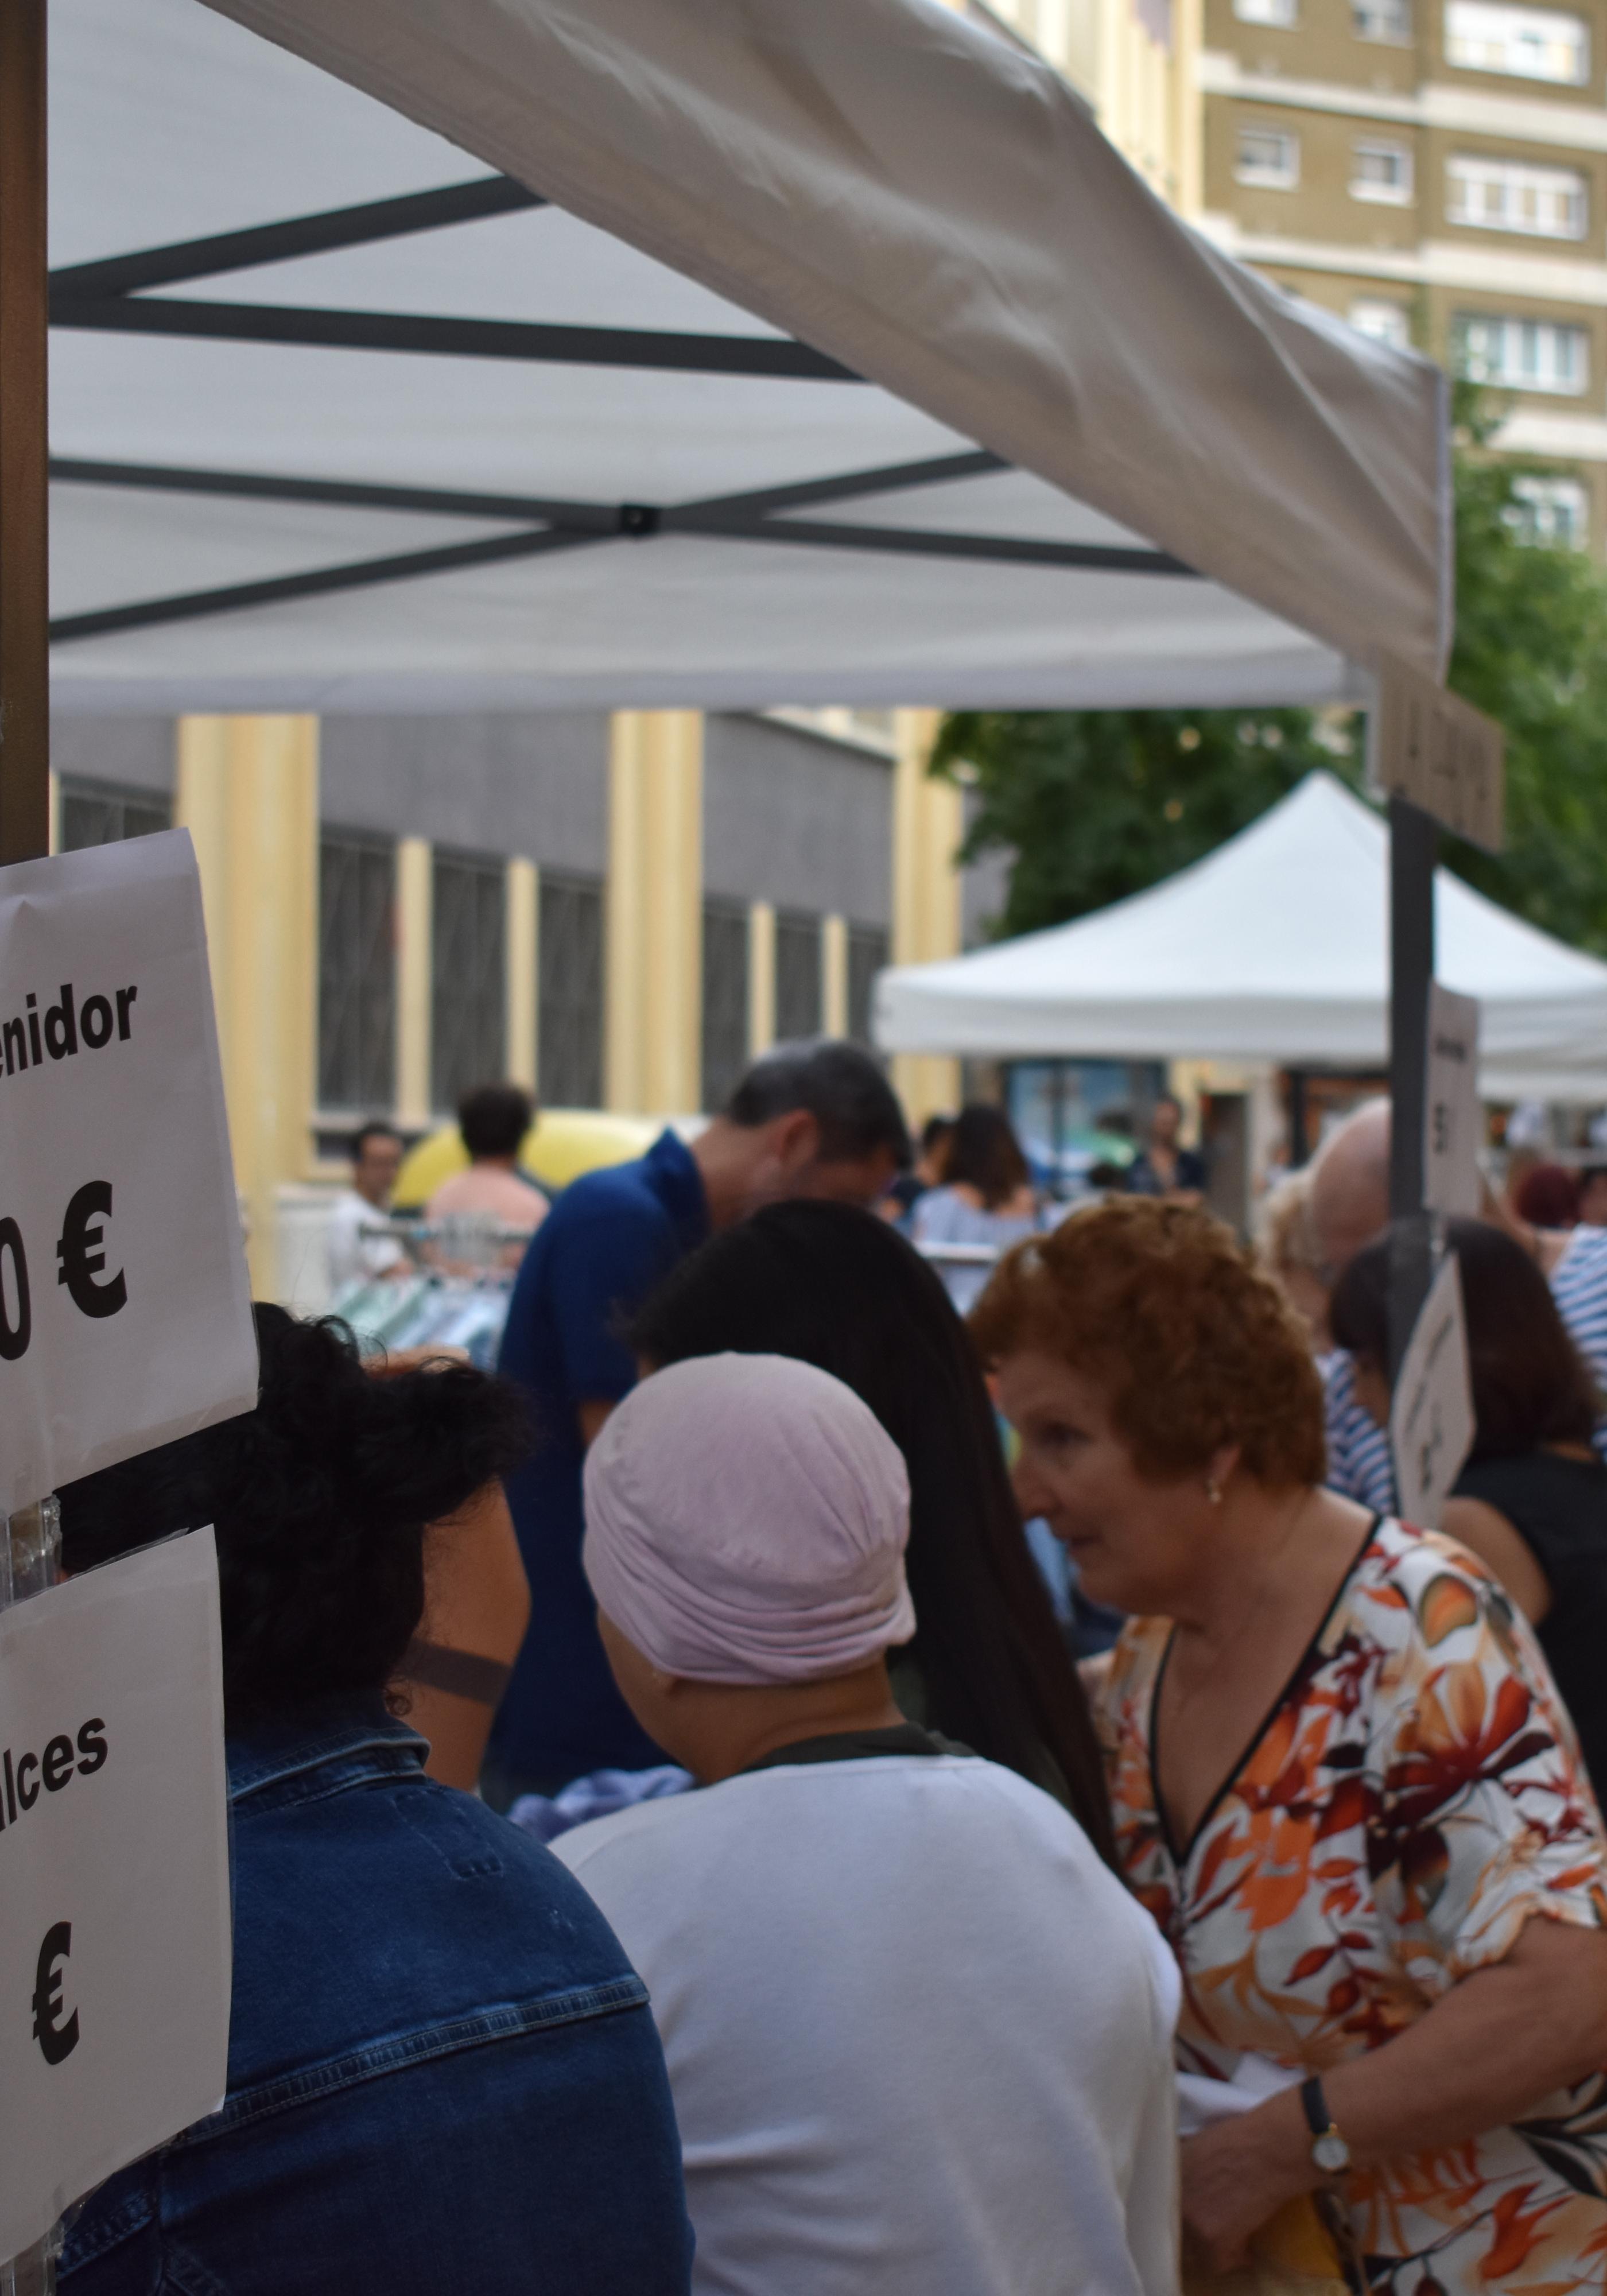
[1465,323]
[1268,15]
[1361,9]
[1464,168]
[1542,490]
[355,1052]
[1261,178]
[571,989]
[1378,194]
[1514,13]
[467,1001]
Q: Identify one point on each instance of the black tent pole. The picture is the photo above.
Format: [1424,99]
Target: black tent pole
[1413,851]
[24,590]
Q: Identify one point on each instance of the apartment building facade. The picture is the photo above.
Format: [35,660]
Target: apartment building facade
[1435,171]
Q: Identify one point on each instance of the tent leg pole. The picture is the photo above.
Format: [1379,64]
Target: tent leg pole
[1413,851]
[1300,1121]
[24,582]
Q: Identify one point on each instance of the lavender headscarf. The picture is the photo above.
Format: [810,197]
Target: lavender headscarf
[746,1519]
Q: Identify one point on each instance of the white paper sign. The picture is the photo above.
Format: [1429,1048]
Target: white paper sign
[125,1306]
[1442,754]
[115,1947]
[1431,1418]
[1452,1120]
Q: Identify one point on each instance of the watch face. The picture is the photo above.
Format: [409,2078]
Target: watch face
[1330,2152]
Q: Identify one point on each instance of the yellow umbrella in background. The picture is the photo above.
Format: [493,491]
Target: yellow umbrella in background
[560,1146]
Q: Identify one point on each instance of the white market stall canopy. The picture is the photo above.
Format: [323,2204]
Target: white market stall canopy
[592,353]
[1275,947]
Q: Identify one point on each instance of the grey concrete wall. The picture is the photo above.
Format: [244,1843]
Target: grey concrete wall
[535,784]
[797,820]
[135,752]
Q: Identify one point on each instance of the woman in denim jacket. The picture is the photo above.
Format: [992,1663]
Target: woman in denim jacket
[443,2073]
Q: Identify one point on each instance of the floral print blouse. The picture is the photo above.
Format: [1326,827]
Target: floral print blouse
[1413,1797]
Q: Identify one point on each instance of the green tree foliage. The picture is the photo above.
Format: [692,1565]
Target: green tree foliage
[1093,805]
[1531,649]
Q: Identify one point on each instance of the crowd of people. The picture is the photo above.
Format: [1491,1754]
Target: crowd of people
[1266,1950]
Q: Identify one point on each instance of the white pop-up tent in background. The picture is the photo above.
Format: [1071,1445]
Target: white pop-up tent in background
[806,351]
[1273,948]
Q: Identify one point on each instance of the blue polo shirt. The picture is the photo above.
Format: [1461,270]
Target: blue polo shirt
[610,1238]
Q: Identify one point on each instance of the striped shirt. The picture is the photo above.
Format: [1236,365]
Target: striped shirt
[1359,1465]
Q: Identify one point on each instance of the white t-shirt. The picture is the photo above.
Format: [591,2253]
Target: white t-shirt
[919,2039]
[352,1255]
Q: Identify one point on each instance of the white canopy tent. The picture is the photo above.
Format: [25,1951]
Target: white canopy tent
[588,431]
[1275,947]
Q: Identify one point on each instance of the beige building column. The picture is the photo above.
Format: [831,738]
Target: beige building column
[522,948]
[247,790]
[654,986]
[834,976]
[929,824]
[761,977]
[414,908]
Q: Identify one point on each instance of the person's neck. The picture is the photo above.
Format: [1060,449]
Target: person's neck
[723,1153]
[379,1198]
[1257,1549]
[761,1722]
[495,1163]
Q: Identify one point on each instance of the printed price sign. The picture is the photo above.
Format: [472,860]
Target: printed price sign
[1453,1122]
[1442,754]
[115,1946]
[1431,1418]
[125,1308]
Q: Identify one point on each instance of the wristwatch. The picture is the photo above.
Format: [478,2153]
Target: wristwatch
[1329,2150]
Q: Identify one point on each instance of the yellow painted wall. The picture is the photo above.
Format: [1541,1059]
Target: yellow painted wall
[928,825]
[652,1055]
[247,790]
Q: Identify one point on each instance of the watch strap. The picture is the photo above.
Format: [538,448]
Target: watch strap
[1314,2105]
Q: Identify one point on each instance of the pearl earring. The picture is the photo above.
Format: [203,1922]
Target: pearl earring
[1213,1490]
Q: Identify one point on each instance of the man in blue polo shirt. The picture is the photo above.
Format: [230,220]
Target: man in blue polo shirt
[810,1119]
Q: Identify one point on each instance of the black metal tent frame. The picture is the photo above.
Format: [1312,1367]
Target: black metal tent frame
[105,297]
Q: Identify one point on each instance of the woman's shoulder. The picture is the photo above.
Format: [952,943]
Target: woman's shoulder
[1419,1586]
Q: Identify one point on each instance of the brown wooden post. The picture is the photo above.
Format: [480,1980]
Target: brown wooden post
[24,573]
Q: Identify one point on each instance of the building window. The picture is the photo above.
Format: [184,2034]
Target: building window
[1383,19]
[104,813]
[867,954]
[724,1000]
[1382,172]
[356,973]
[1512,195]
[797,978]
[1268,156]
[568,1027]
[1281,13]
[468,1045]
[1386,322]
[1549,509]
[1522,354]
[1526,43]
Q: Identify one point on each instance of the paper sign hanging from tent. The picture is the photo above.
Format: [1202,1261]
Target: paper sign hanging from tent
[125,1307]
[115,1943]
[1453,1119]
[1441,753]
[1431,1421]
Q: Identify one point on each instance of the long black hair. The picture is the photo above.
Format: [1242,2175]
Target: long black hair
[1531,1384]
[320,1498]
[836,1287]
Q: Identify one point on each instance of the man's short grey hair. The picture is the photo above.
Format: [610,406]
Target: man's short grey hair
[842,1087]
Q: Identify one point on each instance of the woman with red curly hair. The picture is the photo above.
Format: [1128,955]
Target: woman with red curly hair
[1342,1783]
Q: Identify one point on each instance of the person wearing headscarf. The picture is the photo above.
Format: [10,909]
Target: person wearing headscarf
[918,2035]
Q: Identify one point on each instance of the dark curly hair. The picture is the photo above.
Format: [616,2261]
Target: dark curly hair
[320,1498]
[1161,1306]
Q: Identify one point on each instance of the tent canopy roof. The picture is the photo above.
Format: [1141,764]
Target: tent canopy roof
[513,359]
[1275,947]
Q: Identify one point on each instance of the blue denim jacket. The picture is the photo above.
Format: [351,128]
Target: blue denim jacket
[443,2072]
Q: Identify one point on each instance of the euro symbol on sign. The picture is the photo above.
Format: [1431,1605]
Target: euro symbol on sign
[81,1249]
[57,2040]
